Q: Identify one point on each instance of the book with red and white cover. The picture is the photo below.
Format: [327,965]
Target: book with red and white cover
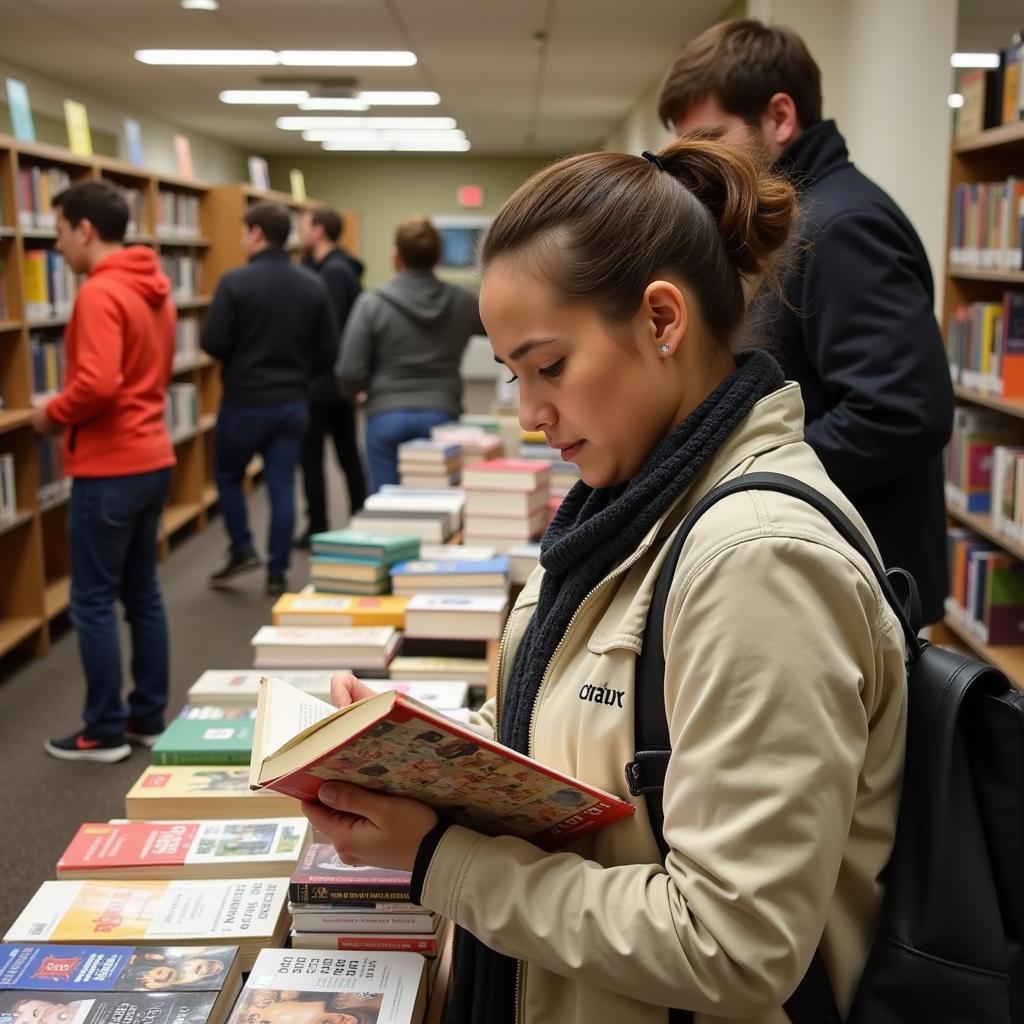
[394,744]
[507,475]
[425,945]
[242,848]
[354,647]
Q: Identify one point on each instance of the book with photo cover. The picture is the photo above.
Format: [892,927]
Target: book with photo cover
[300,986]
[394,744]
[322,878]
[198,791]
[244,848]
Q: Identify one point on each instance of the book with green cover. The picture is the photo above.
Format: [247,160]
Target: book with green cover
[362,544]
[199,741]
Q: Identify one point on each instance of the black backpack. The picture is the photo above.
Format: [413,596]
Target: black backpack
[948,949]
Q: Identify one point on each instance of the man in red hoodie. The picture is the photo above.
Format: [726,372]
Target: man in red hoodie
[119,350]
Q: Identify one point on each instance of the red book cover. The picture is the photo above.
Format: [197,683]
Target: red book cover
[322,878]
[426,944]
[394,744]
[129,844]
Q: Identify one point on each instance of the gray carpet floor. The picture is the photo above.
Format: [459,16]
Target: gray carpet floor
[42,800]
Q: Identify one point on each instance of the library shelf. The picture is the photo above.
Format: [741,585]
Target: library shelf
[209,497]
[10,325]
[12,419]
[1010,406]
[56,596]
[54,501]
[1006,135]
[1008,659]
[39,234]
[983,524]
[198,362]
[15,629]
[23,516]
[995,276]
[8,232]
[177,516]
[196,302]
[48,321]
[181,242]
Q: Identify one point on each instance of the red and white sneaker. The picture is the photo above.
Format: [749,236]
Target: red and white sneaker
[79,747]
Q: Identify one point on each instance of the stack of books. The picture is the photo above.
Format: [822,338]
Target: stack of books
[451,575]
[970,456]
[424,464]
[433,517]
[357,561]
[336,906]
[437,668]
[506,501]
[362,649]
[522,560]
[309,608]
[985,346]
[986,593]
[474,441]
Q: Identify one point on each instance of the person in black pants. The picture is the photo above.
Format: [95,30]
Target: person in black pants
[272,326]
[855,326]
[329,413]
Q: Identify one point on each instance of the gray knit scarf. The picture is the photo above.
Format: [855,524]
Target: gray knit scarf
[592,532]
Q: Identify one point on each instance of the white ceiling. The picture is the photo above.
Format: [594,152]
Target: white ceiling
[509,93]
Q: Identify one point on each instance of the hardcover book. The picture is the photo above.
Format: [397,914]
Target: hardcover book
[425,945]
[362,544]
[394,744]
[309,987]
[185,792]
[456,616]
[249,914]
[507,475]
[192,741]
[243,848]
[331,610]
[451,574]
[322,878]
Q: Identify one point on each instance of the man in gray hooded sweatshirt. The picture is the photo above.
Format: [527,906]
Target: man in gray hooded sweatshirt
[403,346]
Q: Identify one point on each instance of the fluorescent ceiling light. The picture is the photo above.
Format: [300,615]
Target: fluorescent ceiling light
[291,58]
[300,124]
[332,103]
[441,146]
[401,99]
[208,58]
[956,101]
[348,58]
[974,60]
[278,96]
[355,135]
[200,5]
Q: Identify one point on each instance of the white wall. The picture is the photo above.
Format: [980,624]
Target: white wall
[213,161]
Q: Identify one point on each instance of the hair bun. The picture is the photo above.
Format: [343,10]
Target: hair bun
[754,209]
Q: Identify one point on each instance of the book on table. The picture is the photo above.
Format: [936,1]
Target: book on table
[321,878]
[192,741]
[242,848]
[249,913]
[475,671]
[226,686]
[312,609]
[363,544]
[118,984]
[297,986]
[211,712]
[456,616]
[353,647]
[204,791]
[526,475]
[421,576]
[394,744]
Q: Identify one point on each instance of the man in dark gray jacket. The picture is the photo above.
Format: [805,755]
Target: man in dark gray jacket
[403,346]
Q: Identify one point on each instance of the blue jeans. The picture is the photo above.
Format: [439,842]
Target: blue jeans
[385,431]
[112,524]
[276,433]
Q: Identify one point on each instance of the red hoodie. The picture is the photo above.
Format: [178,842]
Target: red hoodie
[119,351]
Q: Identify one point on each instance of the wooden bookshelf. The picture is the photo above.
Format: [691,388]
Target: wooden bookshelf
[992,155]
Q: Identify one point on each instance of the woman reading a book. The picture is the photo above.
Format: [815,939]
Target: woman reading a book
[614,289]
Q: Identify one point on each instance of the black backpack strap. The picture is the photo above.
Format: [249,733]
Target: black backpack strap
[813,1002]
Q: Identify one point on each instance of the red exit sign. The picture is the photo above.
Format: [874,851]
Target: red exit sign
[471,196]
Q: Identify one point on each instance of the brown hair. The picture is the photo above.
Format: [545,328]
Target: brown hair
[329,220]
[418,243]
[272,219]
[602,226]
[742,64]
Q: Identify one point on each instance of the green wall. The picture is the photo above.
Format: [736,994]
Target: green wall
[384,189]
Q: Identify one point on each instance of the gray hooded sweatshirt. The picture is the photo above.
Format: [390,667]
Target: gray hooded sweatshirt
[403,344]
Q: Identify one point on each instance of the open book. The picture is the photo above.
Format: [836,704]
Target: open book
[394,744]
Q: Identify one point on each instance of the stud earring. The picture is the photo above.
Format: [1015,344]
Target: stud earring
[664,349]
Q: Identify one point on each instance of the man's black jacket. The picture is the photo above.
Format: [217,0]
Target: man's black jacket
[859,335]
[272,326]
[343,286]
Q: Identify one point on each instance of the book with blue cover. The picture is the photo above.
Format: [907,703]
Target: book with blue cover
[497,566]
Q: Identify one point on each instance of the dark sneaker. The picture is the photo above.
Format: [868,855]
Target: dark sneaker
[79,747]
[141,737]
[237,563]
[276,584]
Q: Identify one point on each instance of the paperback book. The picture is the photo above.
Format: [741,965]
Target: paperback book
[354,647]
[192,741]
[322,878]
[191,791]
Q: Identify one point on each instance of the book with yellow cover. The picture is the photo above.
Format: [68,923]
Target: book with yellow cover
[394,744]
[312,609]
[202,791]
[250,914]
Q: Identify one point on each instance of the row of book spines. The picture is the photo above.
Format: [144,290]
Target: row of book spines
[48,363]
[192,758]
[8,489]
[50,468]
[181,407]
[986,591]
[985,345]
[50,284]
[969,457]
[184,273]
[177,213]
[996,488]
[987,225]
[37,185]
